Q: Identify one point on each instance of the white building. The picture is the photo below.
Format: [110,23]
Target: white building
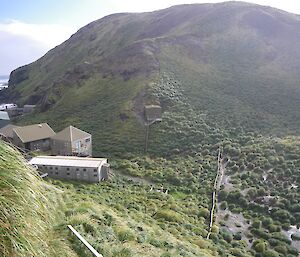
[4,107]
[74,168]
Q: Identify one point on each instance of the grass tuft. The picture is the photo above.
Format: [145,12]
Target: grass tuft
[26,210]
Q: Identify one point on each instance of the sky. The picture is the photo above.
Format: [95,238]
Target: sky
[30,28]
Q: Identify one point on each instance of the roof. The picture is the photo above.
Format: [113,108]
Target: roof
[7,131]
[69,161]
[34,132]
[71,134]
[4,115]
[153,112]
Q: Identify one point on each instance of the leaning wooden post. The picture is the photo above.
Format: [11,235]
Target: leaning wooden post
[86,243]
[146,137]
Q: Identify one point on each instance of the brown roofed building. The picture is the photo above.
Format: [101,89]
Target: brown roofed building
[72,141]
[7,132]
[33,137]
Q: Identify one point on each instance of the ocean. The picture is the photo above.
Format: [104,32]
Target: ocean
[3,79]
[3,82]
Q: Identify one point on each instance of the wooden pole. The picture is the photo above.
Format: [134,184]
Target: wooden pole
[147,128]
[86,243]
[146,137]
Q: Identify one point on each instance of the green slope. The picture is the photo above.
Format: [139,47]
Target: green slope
[124,217]
[226,75]
[237,63]
[28,211]
[34,214]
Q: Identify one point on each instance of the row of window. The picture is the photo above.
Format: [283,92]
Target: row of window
[68,173]
[67,168]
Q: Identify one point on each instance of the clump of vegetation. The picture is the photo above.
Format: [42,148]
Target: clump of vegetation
[27,210]
[169,215]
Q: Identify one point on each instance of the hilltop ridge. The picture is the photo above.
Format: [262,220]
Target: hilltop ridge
[226,77]
[236,63]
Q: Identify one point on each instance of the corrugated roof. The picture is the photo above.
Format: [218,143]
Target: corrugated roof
[4,115]
[34,132]
[68,161]
[7,131]
[71,134]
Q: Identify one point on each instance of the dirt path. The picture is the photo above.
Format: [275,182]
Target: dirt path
[233,222]
[223,179]
[293,230]
[134,179]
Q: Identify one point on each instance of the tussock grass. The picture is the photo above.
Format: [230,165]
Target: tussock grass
[26,210]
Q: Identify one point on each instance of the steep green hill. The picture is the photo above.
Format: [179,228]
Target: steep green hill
[226,76]
[236,64]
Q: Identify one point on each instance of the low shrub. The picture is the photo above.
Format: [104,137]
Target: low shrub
[168,215]
[125,234]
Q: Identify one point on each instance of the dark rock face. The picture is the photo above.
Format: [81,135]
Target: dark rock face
[18,76]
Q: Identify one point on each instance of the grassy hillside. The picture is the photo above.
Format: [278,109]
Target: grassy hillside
[127,216]
[28,210]
[35,214]
[226,76]
[236,63]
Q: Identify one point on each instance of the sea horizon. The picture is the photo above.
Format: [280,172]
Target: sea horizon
[4,79]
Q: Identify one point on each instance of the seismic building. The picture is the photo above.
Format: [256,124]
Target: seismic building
[71,167]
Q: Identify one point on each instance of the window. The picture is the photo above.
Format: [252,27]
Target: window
[87,140]
[56,168]
[56,172]
[68,173]
[68,168]
[51,168]
[84,169]
[95,170]
[95,175]
[77,145]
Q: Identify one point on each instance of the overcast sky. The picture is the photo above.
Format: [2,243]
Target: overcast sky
[29,28]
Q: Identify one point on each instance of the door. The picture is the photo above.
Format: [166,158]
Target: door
[78,174]
[77,146]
